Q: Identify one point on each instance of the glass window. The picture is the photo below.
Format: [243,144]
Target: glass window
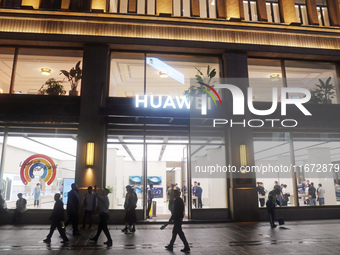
[127,75]
[264,75]
[124,166]
[301,11]
[317,157]
[181,8]
[310,74]
[322,9]
[169,75]
[273,11]
[250,10]
[212,191]
[272,151]
[6,65]
[31,158]
[207,8]
[113,5]
[36,66]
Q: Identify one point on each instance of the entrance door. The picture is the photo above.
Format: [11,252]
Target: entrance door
[166,166]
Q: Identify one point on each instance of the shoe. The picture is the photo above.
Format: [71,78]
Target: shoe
[93,239]
[133,230]
[186,250]
[273,226]
[125,230]
[169,247]
[108,243]
[47,240]
[65,241]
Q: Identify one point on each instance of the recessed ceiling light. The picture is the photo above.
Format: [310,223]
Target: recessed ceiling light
[163,75]
[274,76]
[45,71]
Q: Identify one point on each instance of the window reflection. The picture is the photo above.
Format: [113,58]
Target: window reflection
[6,65]
[301,11]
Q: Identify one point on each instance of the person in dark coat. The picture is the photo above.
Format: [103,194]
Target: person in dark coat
[271,203]
[177,215]
[104,216]
[130,206]
[57,217]
[150,197]
[73,209]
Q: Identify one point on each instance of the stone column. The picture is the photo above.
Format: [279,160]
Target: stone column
[94,90]
[312,13]
[242,187]
[287,11]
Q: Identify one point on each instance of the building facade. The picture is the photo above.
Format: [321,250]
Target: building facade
[154,49]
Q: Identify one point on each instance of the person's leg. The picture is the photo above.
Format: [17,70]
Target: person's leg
[100,228]
[84,218]
[322,201]
[62,232]
[262,202]
[90,216]
[105,229]
[38,202]
[52,228]
[148,210]
[35,203]
[74,220]
[181,234]
[174,235]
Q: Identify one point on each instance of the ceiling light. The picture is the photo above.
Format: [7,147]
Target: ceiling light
[163,75]
[45,71]
[275,77]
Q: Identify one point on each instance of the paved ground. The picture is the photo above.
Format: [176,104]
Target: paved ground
[303,237]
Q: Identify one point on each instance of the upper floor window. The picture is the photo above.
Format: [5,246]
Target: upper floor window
[139,6]
[322,9]
[250,10]
[273,11]
[301,11]
[181,8]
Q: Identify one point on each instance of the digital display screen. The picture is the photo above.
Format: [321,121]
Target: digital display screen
[157,192]
[66,189]
[155,180]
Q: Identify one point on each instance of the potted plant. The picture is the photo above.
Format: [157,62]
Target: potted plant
[53,87]
[323,93]
[201,79]
[73,76]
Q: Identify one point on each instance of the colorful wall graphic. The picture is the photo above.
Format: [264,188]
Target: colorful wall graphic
[38,165]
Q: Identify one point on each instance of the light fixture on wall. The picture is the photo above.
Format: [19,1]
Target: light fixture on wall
[243,155]
[163,75]
[45,71]
[1,91]
[274,77]
[89,154]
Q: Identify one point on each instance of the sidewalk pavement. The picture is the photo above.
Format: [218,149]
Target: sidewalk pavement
[320,237]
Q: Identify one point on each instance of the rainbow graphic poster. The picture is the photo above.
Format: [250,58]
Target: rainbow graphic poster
[38,165]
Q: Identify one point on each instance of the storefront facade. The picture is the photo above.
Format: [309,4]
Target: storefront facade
[254,44]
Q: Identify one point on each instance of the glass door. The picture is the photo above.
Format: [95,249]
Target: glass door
[166,170]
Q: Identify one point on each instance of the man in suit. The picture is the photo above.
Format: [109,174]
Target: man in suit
[177,215]
[57,217]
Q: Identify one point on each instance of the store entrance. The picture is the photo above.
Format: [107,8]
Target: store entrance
[166,167]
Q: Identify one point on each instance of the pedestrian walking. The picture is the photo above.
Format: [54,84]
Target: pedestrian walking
[89,205]
[73,209]
[177,215]
[104,216]
[57,217]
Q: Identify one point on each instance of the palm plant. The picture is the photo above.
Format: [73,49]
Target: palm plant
[323,93]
